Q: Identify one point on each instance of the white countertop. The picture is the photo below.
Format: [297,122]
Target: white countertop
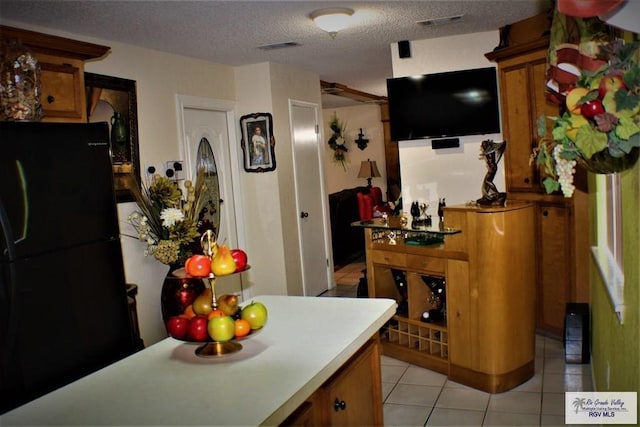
[305,340]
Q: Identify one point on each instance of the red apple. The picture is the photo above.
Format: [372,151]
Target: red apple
[198,266]
[592,108]
[177,327]
[198,328]
[240,258]
[610,83]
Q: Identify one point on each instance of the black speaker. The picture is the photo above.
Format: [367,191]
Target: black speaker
[437,144]
[576,333]
[404,49]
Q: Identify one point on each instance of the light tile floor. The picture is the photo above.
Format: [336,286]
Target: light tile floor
[414,396]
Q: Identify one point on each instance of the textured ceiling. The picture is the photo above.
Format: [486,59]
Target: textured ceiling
[229,32]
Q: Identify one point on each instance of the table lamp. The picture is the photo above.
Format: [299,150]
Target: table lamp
[368,170]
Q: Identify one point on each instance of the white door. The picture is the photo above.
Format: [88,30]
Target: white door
[206,123]
[309,187]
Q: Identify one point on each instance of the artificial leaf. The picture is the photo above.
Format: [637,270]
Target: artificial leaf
[590,96]
[605,122]
[632,77]
[569,152]
[550,185]
[623,147]
[625,52]
[626,100]
[626,127]
[590,141]
[542,126]
[559,130]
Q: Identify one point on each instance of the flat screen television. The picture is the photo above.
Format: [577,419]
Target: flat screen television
[454,103]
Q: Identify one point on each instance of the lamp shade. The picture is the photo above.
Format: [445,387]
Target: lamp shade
[332,20]
[368,169]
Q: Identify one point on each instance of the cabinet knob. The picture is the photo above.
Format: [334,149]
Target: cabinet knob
[51,99]
[545,213]
[339,405]
[526,180]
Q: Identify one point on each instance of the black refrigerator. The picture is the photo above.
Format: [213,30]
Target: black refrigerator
[63,299]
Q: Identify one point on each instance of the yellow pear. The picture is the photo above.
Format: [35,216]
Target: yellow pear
[223,262]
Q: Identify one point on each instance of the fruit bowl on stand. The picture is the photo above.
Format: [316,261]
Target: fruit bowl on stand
[194,313]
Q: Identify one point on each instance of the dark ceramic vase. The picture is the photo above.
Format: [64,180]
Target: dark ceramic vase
[178,291]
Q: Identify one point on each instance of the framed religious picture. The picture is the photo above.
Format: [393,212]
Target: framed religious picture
[258,142]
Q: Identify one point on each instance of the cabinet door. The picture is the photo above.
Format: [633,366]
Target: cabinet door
[62,96]
[554,269]
[459,319]
[524,101]
[518,125]
[354,396]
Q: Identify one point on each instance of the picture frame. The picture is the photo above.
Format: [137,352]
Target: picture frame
[107,95]
[258,143]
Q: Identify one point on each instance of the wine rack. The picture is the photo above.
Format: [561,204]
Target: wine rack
[427,338]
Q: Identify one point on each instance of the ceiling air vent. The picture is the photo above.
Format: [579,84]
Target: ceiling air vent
[281,45]
[441,21]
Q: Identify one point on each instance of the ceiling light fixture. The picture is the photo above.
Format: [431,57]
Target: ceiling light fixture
[332,20]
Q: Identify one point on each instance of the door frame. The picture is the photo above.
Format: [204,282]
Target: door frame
[325,211]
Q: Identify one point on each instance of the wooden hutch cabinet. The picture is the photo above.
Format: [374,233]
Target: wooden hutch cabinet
[61,71]
[487,337]
[561,223]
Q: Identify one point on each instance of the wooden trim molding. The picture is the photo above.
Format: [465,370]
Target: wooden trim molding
[54,45]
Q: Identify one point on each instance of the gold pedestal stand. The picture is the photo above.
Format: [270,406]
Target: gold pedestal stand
[214,349]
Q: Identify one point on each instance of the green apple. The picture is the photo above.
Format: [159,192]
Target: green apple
[221,328]
[256,314]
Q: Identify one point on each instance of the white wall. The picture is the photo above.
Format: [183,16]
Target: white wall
[367,117]
[260,191]
[455,174]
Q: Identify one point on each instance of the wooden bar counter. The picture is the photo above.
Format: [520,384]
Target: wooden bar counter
[487,339]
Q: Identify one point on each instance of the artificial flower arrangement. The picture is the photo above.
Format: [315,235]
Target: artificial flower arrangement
[337,141]
[166,222]
[601,128]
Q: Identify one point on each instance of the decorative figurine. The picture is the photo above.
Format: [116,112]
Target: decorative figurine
[492,153]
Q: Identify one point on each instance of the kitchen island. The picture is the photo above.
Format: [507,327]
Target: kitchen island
[306,343]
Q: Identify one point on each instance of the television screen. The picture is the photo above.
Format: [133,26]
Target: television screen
[447,104]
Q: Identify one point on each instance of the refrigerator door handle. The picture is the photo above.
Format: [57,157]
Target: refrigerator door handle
[25,203]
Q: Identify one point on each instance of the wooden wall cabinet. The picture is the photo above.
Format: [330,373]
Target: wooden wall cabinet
[488,338]
[351,397]
[61,72]
[561,224]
